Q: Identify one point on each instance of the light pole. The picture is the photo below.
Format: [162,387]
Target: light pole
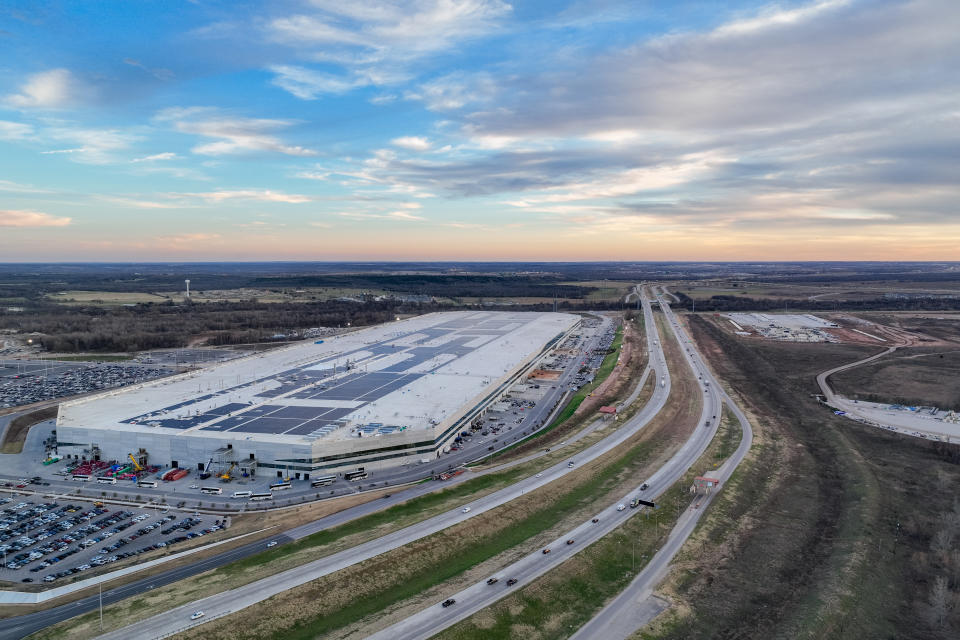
[100,584]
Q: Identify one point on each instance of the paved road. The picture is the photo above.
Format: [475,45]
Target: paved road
[636,605]
[221,604]
[434,619]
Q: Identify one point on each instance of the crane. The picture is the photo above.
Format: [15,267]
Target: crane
[226,477]
[136,465]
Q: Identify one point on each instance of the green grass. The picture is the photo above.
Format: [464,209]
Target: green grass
[446,568]
[403,510]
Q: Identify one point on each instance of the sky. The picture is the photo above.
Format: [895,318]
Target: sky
[479,130]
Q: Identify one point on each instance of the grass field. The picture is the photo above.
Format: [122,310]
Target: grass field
[907,376]
[830,529]
[109,298]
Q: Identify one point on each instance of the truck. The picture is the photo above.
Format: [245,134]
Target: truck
[424,460]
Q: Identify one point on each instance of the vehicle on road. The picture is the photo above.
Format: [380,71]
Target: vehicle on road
[570,464]
[621,507]
[493,580]
[466,510]
[272,543]
[196,615]
[570,541]
[545,551]
[511,582]
[539,475]
[644,487]
[595,520]
[448,602]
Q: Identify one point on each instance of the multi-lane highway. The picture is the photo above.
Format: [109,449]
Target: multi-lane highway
[435,618]
[636,606]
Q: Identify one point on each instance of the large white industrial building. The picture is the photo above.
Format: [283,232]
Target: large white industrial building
[383,394]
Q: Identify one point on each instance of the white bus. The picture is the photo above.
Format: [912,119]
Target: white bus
[106,480]
[79,477]
[211,490]
[261,496]
[353,476]
[280,486]
[147,483]
[323,481]
[242,494]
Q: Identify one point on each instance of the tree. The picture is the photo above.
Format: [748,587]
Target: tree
[939,603]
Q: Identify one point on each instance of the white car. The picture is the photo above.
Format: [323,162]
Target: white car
[466,509]
[621,507]
[196,615]
[195,486]
[539,475]
[272,543]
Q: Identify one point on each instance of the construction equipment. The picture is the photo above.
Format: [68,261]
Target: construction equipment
[206,470]
[227,477]
[136,465]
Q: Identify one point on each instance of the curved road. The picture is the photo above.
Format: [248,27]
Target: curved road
[220,604]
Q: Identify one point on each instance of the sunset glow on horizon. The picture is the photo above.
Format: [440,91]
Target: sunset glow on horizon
[480,130]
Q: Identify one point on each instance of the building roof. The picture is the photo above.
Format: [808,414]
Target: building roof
[410,374]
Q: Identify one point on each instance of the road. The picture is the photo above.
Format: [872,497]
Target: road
[436,618]
[221,604]
[636,605]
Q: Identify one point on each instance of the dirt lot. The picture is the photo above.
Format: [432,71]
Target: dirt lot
[830,530]
[908,376]
[16,433]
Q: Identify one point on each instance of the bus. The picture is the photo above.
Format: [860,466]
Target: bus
[323,481]
[353,476]
[147,483]
[280,485]
[242,494]
[211,490]
[79,477]
[106,480]
[261,496]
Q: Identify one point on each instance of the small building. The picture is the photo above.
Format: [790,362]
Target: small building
[704,484]
[608,411]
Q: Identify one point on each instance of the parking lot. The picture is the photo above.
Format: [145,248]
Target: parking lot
[51,541]
[27,381]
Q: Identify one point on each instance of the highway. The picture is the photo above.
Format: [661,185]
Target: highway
[636,605]
[230,601]
[436,618]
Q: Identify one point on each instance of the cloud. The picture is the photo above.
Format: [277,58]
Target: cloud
[14,130]
[375,42]
[15,187]
[413,143]
[307,84]
[51,89]
[233,134]
[265,195]
[455,91]
[159,74]
[21,218]
[96,146]
[168,155]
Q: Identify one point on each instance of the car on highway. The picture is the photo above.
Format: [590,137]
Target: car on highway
[539,475]
[545,551]
[196,615]
[621,507]
[493,580]
[272,543]
[644,486]
[511,582]
[570,541]
[595,520]
[466,510]
[449,601]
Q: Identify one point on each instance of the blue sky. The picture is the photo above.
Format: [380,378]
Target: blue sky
[479,129]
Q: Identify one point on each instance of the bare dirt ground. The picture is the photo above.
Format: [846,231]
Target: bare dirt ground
[16,433]
[619,383]
[829,529]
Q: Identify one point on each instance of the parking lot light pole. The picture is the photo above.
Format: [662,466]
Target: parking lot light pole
[100,584]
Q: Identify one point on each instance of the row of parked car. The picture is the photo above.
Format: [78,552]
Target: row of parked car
[104,559]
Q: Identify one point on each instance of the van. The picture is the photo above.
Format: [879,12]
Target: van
[242,494]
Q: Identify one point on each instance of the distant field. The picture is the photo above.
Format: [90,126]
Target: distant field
[605,289]
[108,297]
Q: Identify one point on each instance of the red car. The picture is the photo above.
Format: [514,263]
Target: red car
[546,551]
